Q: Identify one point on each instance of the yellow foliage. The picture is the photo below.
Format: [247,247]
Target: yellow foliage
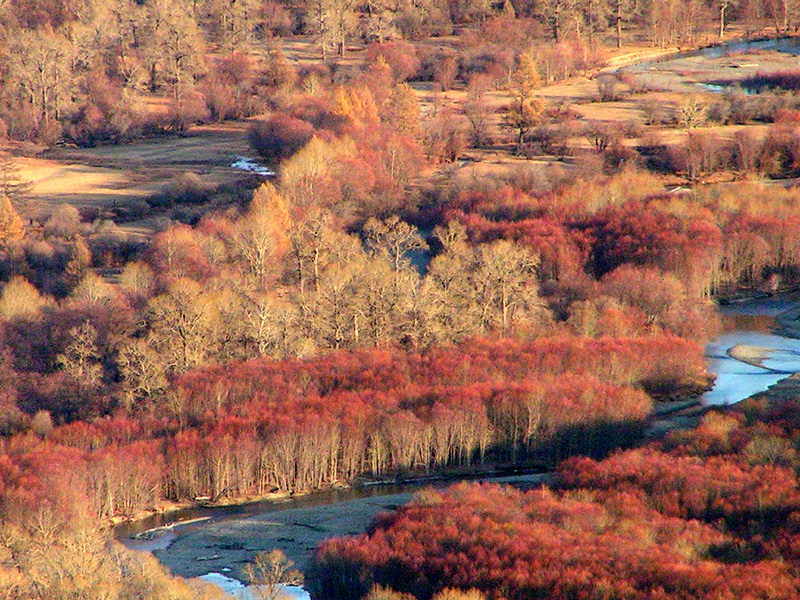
[11,226]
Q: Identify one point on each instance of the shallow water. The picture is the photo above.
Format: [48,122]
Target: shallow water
[750,324]
[239,591]
[790,45]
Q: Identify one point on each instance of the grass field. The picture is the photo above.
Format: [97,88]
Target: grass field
[108,177]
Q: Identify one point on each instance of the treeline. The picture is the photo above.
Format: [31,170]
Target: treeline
[96,72]
[260,426]
[707,513]
[284,279]
[612,256]
[52,546]
[618,228]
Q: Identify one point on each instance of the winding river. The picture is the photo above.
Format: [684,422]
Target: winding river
[214,543]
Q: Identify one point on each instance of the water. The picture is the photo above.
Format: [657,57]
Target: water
[668,71]
[747,325]
[789,45]
[751,325]
[238,590]
[250,165]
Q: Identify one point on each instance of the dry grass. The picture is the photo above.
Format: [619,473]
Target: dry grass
[108,176]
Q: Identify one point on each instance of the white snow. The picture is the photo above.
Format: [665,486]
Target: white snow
[239,591]
[251,165]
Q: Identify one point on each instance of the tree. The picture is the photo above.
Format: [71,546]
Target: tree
[11,226]
[555,14]
[142,371]
[691,112]
[173,48]
[64,222]
[270,572]
[20,299]
[233,22]
[622,11]
[260,238]
[11,184]
[81,359]
[308,177]
[401,111]
[344,21]
[80,259]
[280,137]
[183,325]
[478,113]
[379,23]
[394,239]
[42,423]
[93,289]
[525,110]
[39,67]
[723,6]
[318,22]
[503,286]
[785,14]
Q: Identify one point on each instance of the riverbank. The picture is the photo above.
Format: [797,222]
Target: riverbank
[789,322]
[228,541]
[227,545]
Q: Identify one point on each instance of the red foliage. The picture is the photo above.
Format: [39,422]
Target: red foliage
[400,55]
[688,486]
[280,137]
[539,544]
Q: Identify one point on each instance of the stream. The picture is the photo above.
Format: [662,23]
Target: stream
[214,543]
[750,325]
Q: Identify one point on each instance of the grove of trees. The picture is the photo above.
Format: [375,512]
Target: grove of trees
[707,513]
[366,314]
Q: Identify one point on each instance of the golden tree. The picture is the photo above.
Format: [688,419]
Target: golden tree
[11,226]
[525,110]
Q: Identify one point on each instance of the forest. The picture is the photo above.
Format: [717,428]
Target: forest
[454,269]
[706,513]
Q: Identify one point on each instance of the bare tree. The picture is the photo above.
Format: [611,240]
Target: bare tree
[184,324]
[172,45]
[723,6]
[622,11]
[39,66]
[81,359]
[691,112]
[556,14]
[394,239]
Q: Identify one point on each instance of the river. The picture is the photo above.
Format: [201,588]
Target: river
[219,541]
[751,325]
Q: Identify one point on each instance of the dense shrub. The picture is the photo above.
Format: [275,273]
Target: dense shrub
[279,137]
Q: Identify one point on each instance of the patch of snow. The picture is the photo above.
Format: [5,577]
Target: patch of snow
[238,590]
[251,165]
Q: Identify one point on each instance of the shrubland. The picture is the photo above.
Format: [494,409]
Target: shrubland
[367,315]
[706,513]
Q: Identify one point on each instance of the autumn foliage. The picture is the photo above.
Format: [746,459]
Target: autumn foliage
[707,513]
